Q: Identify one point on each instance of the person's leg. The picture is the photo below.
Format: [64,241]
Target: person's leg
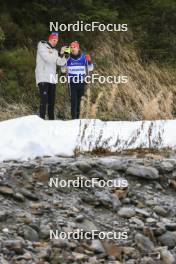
[43,90]
[81,89]
[73,90]
[51,100]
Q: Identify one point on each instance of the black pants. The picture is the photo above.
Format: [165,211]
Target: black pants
[47,98]
[77,91]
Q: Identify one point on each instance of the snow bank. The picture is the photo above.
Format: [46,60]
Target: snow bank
[29,137]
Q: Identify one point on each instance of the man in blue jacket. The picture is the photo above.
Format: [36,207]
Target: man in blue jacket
[76,67]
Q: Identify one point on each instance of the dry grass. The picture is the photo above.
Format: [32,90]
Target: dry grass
[8,111]
[149,93]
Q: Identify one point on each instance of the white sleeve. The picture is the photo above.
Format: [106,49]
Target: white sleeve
[61,61]
[46,55]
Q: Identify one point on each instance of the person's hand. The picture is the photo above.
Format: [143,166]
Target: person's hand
[62,51]
[88,58]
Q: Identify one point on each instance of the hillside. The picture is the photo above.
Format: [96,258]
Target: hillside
[150,92]
[145,54]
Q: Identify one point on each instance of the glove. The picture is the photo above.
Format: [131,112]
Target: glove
[67,50]
[88,58]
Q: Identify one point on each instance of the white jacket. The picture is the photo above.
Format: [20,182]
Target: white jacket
[46,63]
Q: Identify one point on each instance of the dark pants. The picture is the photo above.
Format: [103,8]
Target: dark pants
[47,98]
[77,91]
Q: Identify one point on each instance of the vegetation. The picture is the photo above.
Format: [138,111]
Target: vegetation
[149,46]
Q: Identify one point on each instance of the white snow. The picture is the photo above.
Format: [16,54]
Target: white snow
[30,137]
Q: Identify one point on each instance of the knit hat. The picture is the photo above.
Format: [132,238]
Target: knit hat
[53,35]
[74,44]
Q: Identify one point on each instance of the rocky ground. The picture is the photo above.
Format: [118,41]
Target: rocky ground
[146,209]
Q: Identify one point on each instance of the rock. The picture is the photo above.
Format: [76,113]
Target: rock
[93,260]
[15,245]
[113,250]
[115,202]
[3,261]
[130,261]
[27,218]
[60,243]
[19,197]
[126,200]
[41,174]
[139,204]
[147,260]
[117,262]
[126,212]
[79,256]
[173,184]
[56,257]
[166,166]
[136,221]
[26,256]
[30,234]
[5,230]
[6,190]
[44,253]
[151,220]
[166,256]
[131,252]
[29,195]
[140,171]
[158,186]
[3,215]
[103,198]
[79,218]
[83,166]
[159,231]
[97,246]
[118,165]
[36,206]
[108,200]
[87,225]
[150,203]
[138,185]
[168,239]
[171,226]
[45,231]
[142,212]
[121,193]
[160,210]
[144,243]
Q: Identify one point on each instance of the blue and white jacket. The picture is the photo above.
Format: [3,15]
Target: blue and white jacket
[77,67]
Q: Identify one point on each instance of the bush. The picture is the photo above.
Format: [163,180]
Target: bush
[2,38]
[18,81]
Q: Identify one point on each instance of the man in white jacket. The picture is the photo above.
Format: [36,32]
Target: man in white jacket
[45,73]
